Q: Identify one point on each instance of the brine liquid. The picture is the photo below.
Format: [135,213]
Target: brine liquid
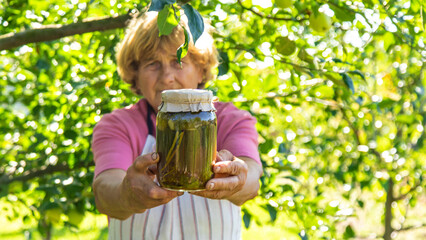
[186,143]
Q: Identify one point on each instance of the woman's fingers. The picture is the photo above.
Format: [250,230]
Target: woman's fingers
[142,163]
[230,177]
[157,193]
[227,184]
[235,167]
[140,186]
[224,155]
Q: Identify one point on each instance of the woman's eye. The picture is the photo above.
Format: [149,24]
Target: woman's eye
[153,64]
[176,63]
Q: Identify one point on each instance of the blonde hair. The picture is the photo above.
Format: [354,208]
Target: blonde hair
[141,42]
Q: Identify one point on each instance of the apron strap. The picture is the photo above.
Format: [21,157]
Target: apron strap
[151,128]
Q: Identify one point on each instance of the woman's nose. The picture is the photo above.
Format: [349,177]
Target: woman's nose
[167,75]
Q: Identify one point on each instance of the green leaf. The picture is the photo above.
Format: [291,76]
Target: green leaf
[71,160]
[424,18]
[323,91]
[304,56]
[51,190]
[42,64]
[335,78]
[294,179]
[359,73]
[183,2]
[246,218]
[49,110]
[49,205]
[158,5]
[266,146]
[348,81]
[343,13]
[303,235]
[388,40]
[166,20]
[349,232]
[360,203]
[71,134]
[223,63]
[195,22]
[337,60]
[183,49]
[233,94]
[282,148]
[272,212]
[413,202]
[405,118]
[287,188]
[387,103]
[4,190]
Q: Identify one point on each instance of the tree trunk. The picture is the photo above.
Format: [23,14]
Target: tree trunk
[49,234]
[45,229]
[388,211]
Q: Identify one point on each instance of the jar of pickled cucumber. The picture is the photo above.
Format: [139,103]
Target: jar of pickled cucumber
[186,139]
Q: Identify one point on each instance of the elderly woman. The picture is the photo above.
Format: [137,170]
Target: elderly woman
[124,186]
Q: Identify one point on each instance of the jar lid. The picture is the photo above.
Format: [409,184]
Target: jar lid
[187,100]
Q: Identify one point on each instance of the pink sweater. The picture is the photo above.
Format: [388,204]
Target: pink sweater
[120,136]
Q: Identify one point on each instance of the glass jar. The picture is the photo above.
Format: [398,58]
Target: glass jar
[186,139]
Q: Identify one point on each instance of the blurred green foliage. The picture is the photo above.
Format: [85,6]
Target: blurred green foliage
[341,115]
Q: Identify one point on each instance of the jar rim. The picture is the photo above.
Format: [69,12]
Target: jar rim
[187,95]
[187,100]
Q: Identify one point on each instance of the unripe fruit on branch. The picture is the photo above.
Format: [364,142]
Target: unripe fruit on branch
[284,3]
[75,217]
[320,22]
[53,215]
[285,46]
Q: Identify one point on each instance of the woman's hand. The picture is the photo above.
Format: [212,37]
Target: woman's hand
[120,194]
[138,188]
[235,179]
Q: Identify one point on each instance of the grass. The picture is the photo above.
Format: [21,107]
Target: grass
[277,231]
[367,225]
[92,227]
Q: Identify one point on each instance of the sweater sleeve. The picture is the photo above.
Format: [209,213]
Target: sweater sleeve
[111,145]
[237,132]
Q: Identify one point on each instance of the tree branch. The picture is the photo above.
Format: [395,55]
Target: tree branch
[30,174]
[53,32]
[400,33]
[356,132]
[354,129]
[411,227]
[403,196]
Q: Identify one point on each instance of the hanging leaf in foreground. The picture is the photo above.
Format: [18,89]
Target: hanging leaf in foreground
[183,49]
[167,20]
[158,5]
[195,22]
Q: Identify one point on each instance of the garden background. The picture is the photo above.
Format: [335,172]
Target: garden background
[337,87]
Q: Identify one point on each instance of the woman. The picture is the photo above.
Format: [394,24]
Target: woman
[124,184]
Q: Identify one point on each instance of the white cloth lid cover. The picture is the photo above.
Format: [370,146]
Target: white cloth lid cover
[187,100]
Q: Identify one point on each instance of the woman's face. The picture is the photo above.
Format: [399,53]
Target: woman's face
[163,72]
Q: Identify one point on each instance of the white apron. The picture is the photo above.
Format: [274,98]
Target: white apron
[185,217]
